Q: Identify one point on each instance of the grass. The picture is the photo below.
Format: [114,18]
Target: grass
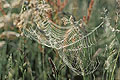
[22,58]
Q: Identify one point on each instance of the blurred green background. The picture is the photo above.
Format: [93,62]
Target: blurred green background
[24,59]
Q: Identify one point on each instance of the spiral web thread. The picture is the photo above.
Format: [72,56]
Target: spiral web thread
[75,46]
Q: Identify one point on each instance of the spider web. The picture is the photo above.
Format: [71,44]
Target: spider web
[75,45]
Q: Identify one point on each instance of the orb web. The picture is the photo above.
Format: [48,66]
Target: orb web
[75,45]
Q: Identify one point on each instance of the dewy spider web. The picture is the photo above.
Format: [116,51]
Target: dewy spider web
[75,46]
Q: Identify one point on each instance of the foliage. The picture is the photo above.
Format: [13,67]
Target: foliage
[25,56]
